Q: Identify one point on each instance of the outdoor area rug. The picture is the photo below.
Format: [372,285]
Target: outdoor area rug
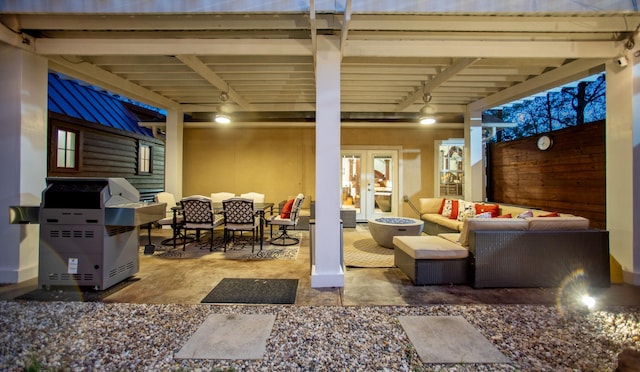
[238,250]
[253,291]
[74,294]
[360,250]
[229,336]
[449,339]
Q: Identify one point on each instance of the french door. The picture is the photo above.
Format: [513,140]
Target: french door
[369,182]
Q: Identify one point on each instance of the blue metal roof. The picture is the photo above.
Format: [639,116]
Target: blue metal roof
[68,97]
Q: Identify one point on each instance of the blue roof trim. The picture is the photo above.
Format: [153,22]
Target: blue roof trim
[68,97]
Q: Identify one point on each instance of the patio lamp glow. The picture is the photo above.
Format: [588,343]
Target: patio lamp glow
[427,120]
[222,119]
[588,301]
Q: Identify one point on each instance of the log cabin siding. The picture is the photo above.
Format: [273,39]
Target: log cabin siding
[109,152]
[570,177]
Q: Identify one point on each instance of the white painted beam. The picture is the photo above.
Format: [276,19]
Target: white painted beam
[313,29]
[554,78]
[484,49]
[507,23]
[18,40]
[345,107]
[94,75]
[201,69]
[436,81]
[346,21]
[306,124]
[221,47]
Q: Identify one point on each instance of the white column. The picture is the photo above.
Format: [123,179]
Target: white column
[23,150]
[173,153]
[328,270]
[623,166]
[474,170]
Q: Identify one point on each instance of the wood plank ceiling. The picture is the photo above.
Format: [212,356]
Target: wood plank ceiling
[265,61]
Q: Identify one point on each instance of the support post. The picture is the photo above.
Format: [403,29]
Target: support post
[622,142]
[23,148]
[328,270]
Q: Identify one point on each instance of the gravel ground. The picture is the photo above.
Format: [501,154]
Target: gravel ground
[76,336]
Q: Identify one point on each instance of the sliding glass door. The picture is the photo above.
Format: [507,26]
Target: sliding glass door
[369,182]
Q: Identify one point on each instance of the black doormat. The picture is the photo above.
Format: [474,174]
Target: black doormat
[253,291]
[73,294]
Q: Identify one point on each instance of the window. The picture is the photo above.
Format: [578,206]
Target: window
[144,159]
[66,149]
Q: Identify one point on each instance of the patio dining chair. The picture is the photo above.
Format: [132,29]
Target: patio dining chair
[218,197]
[239,215]
[285,220]
[173,218]
[255,196]
[170,200]
[198,215]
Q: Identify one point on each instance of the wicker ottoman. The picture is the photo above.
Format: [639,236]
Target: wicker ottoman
[431,260]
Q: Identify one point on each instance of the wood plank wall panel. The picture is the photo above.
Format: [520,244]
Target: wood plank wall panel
[108,152]
[570,177]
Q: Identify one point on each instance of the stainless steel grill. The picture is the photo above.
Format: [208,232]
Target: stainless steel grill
[89,230]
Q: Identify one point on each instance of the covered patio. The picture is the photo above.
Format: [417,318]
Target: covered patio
[324,67]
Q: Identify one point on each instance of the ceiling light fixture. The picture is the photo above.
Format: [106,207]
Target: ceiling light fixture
[426,112]
[220,117]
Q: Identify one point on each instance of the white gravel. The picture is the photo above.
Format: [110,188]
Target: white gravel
[75,336]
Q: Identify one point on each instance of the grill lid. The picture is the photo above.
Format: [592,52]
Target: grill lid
[87,193]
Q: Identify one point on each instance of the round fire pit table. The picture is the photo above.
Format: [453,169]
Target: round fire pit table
[383,229]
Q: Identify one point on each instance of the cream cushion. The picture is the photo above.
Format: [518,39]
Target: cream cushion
[558,223]
[427,247]
[475,224]
[430,205]
[452,237]
[218,197]
[255,196]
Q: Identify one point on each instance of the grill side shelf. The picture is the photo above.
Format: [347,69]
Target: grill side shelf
[24,214]
[134,214]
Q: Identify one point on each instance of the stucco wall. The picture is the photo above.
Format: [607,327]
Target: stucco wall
[281,162]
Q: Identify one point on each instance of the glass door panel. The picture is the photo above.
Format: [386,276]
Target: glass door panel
[383,181]
[350,181]
[451,169]
[368,182]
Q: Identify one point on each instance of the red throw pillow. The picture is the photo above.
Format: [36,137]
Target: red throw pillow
[286,209]
[454,210]
[552,214]
[494,209]
[508,215]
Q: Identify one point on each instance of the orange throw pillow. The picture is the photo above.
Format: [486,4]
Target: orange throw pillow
[552,214]
[286,209]
[494,209]
[508,215]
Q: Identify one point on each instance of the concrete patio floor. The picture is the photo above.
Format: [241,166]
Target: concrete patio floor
[187,281]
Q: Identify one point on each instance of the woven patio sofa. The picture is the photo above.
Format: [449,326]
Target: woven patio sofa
[539,258]
[527,251]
